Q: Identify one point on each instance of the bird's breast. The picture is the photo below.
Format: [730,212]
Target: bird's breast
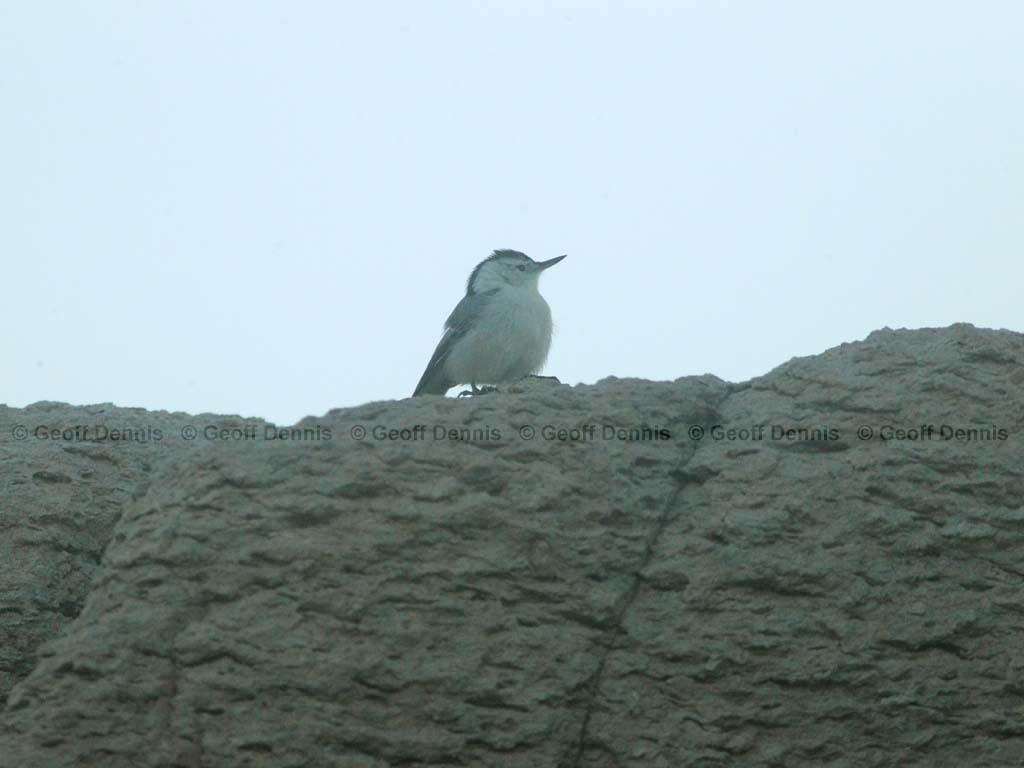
[510,340]
[522,319]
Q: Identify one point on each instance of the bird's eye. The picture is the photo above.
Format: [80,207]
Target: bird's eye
[521,267]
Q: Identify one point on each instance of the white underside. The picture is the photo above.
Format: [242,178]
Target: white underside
[511,340]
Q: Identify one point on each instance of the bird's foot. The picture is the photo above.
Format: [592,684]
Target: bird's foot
[477,391]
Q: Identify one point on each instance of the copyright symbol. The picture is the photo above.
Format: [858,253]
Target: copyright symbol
[696,432]
[865,432]
[527,432]
[189,432]
[358,432]
[20,432]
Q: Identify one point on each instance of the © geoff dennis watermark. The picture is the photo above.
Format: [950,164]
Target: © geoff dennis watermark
[586,433]
[493,434]
[864,432]
[148,433]
[541,433]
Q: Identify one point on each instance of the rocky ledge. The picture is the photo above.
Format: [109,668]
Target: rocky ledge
[821,566]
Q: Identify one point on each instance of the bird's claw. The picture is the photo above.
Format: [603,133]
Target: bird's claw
[477,391]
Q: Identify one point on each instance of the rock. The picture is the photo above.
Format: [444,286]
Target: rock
[67,474]
[792,571]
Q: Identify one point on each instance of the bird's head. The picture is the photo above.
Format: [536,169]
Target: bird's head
[503,269]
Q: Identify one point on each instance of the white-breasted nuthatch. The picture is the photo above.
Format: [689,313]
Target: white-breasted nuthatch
[499,332]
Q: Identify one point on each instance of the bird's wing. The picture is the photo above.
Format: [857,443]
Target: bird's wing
[458,324]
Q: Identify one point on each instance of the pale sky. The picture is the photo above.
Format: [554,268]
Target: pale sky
[269,209]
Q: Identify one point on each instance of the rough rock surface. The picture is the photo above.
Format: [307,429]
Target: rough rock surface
[677,595]
[66,474]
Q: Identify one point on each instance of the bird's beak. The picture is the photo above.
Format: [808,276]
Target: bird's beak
[542,265]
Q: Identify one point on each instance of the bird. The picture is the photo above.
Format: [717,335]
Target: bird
[499,332]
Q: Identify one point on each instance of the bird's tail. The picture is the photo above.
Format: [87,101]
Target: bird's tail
[433,382]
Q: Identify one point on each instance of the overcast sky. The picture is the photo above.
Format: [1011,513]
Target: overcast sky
[270,209]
